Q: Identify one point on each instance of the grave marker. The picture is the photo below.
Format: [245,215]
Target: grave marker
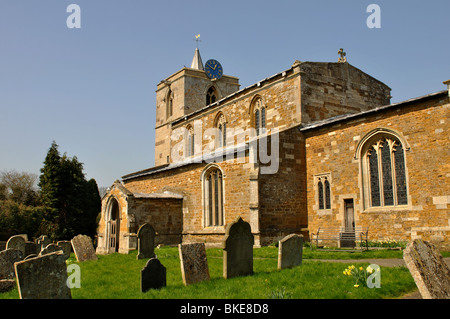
[43,277]
[153,275]
[7,259]
[238,249]
[194,265]
[83,248]
[290,250]
[429,270]
[146,242]
[16,242]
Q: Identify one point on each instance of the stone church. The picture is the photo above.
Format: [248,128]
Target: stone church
[316,145]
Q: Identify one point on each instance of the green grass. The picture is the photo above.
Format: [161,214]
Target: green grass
[118,276]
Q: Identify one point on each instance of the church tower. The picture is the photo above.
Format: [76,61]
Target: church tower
[184,92]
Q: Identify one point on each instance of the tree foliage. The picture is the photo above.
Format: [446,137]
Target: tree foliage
[73,203]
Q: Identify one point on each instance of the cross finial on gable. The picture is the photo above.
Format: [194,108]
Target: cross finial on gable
[342,54]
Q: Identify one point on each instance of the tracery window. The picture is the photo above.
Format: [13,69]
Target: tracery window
[213,197]
[324,192]
[259,116]
[221,136]
[190,140]
[385,158]
[211,96]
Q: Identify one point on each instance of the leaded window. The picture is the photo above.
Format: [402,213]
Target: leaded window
[324,191]
[213,198]
[259,116]
[221,136]
[211,96]
[386,172]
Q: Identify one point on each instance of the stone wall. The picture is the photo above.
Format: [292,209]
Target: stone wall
[333,149]
[330,89]
[187,181]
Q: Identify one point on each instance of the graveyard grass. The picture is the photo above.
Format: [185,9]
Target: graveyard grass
[117,276]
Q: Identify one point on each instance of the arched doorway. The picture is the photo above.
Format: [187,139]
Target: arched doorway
[114,226]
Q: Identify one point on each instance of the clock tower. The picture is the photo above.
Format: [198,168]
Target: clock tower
[185,92]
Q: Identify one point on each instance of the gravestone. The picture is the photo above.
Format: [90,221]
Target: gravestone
[7,259]
[43,241]
[16,242]
[238,249]
[66,247]
[51,248]
[43,277]
[7,285]
[290,250]
[31,248]
[428,268]
[153,275]
[194,265]
[146,242]
[83,248]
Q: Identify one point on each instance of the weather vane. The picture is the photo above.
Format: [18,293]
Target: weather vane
[197,40]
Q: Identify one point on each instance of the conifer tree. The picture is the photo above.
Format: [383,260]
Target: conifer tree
[70,198]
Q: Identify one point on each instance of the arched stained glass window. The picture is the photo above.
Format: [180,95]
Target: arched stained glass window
[386,172]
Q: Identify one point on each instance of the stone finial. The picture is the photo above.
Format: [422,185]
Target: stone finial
[342,57]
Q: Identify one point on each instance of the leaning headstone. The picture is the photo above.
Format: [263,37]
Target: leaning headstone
[16,242]
[146,242]
[83,248]
[51,248]
[238,249]
[43,241]
[290,250]
[7,259]
[429,270]
[31,248]
[66,247]
[43,277]
[153,275]
[7,285]
[194,265]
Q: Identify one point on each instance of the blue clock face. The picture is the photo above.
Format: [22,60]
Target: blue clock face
[213,69]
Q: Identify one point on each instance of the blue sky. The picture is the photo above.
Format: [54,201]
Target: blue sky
[92,89]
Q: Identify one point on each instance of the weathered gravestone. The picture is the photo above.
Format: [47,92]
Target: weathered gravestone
[146,242]
[17,242]
[83,248]
[66,247]
[43,241]
[51,248]
[7,259]
[290,250]
[194,265]
[153,275]
[7,285]
[31,248]
[429,270]
[238,249]
[43,277]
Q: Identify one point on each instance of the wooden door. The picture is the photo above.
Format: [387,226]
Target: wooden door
[349,215]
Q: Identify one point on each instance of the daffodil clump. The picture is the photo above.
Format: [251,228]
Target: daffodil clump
[359,274]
